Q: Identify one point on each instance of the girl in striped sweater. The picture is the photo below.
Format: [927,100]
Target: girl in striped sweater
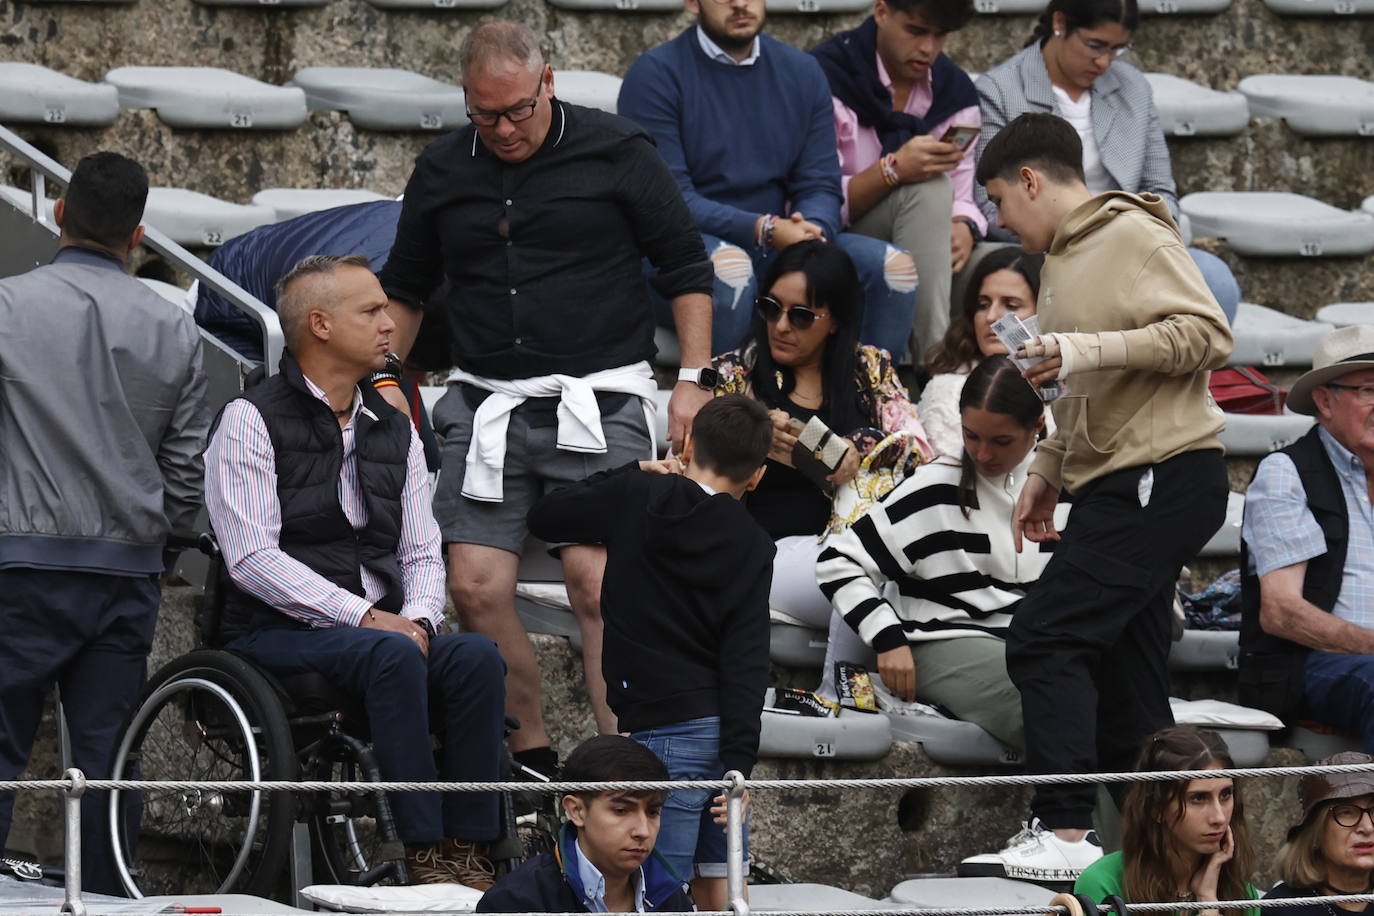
[929,577]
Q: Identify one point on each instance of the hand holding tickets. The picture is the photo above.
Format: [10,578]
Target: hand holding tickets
[1071,354]
[1039,369]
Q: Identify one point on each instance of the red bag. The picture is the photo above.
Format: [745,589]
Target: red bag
[1247,391]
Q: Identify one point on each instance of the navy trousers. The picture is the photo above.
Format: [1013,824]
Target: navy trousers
[461,689]
[90,635]
[1339,691]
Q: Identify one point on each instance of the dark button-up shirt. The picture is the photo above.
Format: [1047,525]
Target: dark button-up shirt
[544,257]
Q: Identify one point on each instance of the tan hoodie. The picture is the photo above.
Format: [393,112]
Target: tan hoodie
[1117,264]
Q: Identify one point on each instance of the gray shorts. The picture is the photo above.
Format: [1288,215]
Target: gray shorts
[534,464]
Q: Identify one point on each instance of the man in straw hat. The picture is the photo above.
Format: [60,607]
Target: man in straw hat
[1307,636]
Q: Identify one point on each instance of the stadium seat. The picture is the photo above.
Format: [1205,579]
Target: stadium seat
[1268,337]
[1258,435]
[173,294]
[957,893]
[1188,109]
[192,218]
[379,98]
[1321,7]
[1368,205]
[1319,106]
[849,736]
[33,94]
[1345,314]
[209,97]
[1008,7]
[589,87]
[289,203]
[795,645]
[1226,542]
[1279,224]
[953,742]
[1182,7]
[437,4]
[1319,741]
[1206,650]
[1245,730]
[817,6]
[267,3]
[791,898]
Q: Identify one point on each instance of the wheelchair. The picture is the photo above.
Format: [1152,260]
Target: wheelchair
[214,715]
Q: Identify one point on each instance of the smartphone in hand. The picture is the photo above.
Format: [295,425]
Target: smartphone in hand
[961,135]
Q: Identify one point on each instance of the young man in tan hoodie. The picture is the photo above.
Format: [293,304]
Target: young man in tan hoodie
[1131,331]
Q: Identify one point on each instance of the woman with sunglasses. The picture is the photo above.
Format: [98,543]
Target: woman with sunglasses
[1180,839]
[1331,850]
[802,359]
[1005,282]
[1072,67]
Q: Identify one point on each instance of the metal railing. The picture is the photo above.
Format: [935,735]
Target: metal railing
[734,786]
[43,169]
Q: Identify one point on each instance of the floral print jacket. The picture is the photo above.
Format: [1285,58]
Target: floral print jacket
[889,406]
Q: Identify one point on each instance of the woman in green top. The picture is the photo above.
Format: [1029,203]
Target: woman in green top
[1179,840]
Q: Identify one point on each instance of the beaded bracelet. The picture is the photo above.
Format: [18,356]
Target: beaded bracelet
[765,234]
[888,166]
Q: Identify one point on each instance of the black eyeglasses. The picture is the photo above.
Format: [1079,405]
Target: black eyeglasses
[799,316]
[1364,394]
[514,114]
[1350,815]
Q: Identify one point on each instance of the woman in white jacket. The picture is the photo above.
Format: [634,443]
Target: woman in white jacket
[929,577]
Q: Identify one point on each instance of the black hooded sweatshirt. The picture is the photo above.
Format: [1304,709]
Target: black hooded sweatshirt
[684,600]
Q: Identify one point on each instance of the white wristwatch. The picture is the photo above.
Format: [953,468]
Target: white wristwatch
[705,378]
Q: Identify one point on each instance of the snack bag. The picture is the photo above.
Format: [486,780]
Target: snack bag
[855,687]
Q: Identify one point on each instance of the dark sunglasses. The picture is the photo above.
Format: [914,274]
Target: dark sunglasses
[799,316]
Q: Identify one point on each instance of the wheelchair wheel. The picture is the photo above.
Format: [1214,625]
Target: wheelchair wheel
[208,716]
[354,832]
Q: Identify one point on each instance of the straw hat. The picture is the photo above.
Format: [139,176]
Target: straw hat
[1346,350]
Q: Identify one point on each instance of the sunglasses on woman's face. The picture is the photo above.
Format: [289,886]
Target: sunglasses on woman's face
[799,316]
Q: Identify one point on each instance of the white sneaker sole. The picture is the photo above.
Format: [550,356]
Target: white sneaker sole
[1000,870]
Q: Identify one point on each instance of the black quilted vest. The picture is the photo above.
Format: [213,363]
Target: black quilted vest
[1271,669]
[308,445]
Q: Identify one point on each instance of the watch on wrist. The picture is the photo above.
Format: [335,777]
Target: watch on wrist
[704,378]
[972,228]
[390,374]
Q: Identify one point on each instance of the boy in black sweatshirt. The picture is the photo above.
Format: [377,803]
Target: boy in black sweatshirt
[684,603]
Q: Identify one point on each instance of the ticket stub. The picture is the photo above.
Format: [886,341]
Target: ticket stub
[1013,332]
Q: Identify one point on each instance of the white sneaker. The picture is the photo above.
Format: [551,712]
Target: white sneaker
[1036,854]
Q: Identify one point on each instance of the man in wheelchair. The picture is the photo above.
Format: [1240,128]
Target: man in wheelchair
[318,493]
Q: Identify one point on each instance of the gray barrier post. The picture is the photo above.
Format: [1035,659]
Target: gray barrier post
[73,904]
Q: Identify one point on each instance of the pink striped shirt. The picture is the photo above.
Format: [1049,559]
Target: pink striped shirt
[859,146]
[241,496]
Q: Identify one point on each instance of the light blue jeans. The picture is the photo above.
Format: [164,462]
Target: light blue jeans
[689,839]
[889,295]
[1219,280]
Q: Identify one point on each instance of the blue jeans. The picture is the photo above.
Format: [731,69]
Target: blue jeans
[889,306]
[463,682]
[1219,280]
[689,839]
[1339,691]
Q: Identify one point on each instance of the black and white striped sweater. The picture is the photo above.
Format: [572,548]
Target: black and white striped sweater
[949,576]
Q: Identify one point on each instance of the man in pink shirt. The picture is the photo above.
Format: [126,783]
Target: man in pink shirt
[898,104]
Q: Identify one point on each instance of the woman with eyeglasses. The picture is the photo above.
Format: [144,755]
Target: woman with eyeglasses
[1005,282]
[801,357]
[1331,850]
[1072,67]
[1180,839]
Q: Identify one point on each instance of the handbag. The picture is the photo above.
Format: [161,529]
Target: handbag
[881,469]
[1246,391]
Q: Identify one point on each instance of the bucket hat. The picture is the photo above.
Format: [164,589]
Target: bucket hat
[1324,787]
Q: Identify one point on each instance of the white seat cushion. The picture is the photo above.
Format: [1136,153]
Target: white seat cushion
[30,93]
[589,87]
[1257,435]
[208,97]
[1346,314]
[1268,337]
[1321,7]
[1188,109]
[193,218]
[1226,542]
[1206,650]
[1217,714]
[1279,224]
[381,98]
[419,898]
[288,203]
[1317,105]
